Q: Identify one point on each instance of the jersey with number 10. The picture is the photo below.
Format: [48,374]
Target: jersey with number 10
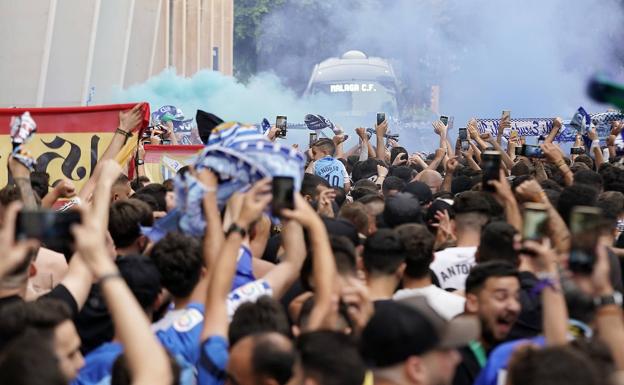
[332,170]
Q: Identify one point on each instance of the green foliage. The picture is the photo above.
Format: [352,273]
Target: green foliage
[248,15]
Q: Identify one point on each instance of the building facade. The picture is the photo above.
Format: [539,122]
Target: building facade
[75,52]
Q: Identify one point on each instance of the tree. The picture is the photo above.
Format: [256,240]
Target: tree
[248,17]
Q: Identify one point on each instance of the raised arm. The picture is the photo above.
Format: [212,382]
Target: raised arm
[506,198]
[78,279]
[364,143]
[451,166]
[14,253]
[440,154]
[380,132]
[322,257]
[21,176]
[555,311]
[147,360]
[64,189]
[216,318]
[556,126]
[338,141]
[282,276]
[554,155]
[213,236]
[473,132]
[128,122]
[608,319]
[595,148]
[559,234]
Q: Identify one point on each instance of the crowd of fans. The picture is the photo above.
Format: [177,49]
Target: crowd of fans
[392,268]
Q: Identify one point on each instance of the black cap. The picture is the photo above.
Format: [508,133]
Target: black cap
[400,329]
[439,205]
[420,190]
[402,208]
[205,123]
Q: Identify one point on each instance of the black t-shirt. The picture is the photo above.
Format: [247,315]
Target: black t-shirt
[529,323]
[468,369]
[14,303]
[59,292]
[94,323]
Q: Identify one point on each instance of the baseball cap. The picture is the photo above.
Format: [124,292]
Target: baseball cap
[420,190]
[410,327]
[402,208]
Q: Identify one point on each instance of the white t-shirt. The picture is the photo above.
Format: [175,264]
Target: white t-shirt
[447,305]
[452,266]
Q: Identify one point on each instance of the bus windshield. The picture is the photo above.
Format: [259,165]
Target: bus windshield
[362,97]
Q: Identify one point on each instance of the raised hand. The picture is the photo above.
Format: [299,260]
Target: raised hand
[254,202]
[530,190]
[65,188]
[338,139]
[552,152]
[400,159]
[14,253]
[303,212]
[130,120]
[382,171]
[439,128]
[451,165]
[361,132]
[90,241]
[473,132]
[325,207]
[382,129]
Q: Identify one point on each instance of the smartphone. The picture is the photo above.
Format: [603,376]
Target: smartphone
[577,150]
[518,151]
[506,114]
[491,161]
[313,138]
[283,194]
[381,117]
[585,226]
[465,145]
[281,122]
[52,228]
[463,133]
[535,219]
[532,151]
[444,120]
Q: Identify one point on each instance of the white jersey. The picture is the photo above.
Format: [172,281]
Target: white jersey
[452,266]
[447,305]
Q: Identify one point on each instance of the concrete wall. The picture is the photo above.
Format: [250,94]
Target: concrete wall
[54,52]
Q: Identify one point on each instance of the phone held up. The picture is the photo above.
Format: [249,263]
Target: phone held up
[586,226]
[381,117]
[283,194]
[491,168]
[535,219]
[444,119]
[463,138]
[52,228]
[281,122]
[530,151]
[313,138]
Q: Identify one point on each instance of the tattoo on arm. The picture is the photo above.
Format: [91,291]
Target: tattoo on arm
[28,196]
